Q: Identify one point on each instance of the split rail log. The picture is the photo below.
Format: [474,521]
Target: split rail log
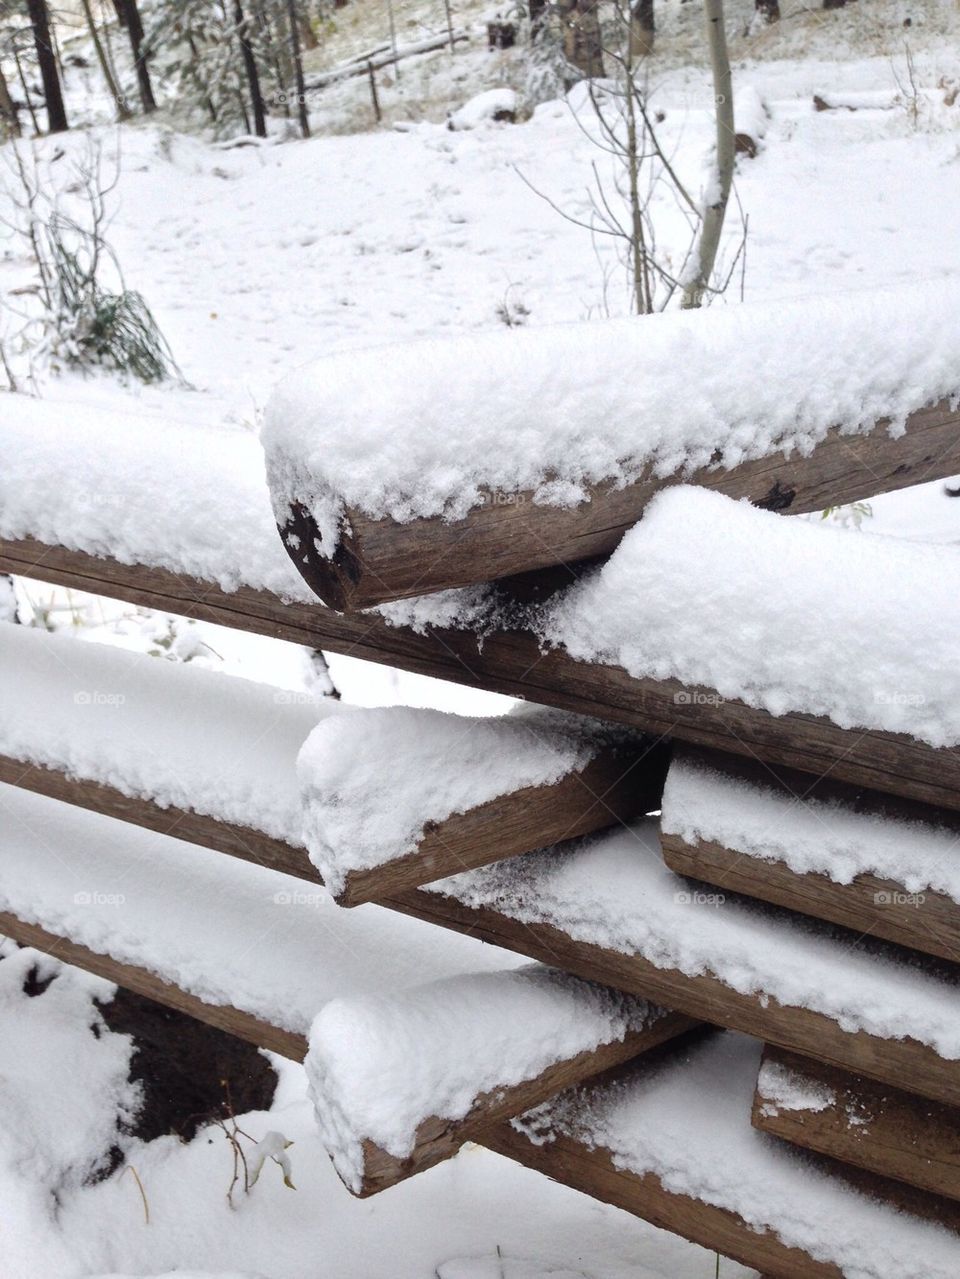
[382,56]
[378,560]
[143,982]
[439,1139]
[512,662]
[858,1121]
[705,997]
[616,785]
[927,921]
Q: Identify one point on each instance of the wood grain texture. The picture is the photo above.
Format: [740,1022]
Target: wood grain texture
[927,921]
[593,1172]
[870,1125]
[195,828]
[439,1139]
[511,662]
[143,982]
[378,560]
[619,783]
[705,997]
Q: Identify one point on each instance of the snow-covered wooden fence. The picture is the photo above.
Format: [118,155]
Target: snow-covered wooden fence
[750,677]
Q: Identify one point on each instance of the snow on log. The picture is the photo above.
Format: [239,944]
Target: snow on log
[751,117]
[178,735]
[491,106]
[401,1082]
[216,935]
[783,615]
[859,1122]
[868,862]
[436,641]
[607,909]
[671,1141]
[402,471]
[395,797]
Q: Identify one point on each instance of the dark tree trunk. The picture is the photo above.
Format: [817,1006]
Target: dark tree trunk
[642,29]
[250,67]
[47,58]
[769,9]
[294,19]
[129,16]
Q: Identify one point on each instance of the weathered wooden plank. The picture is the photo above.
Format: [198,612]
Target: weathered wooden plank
[926,921]
[616,785]
[704,997]
[858,1121]
[593,1172]
[237,841]
[379,559]
[511,662]
[143,982]
[439,1139]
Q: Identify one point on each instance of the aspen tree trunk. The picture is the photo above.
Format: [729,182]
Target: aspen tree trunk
[52,90]
[713,215]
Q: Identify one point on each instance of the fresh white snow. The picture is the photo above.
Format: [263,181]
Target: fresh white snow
[783,614]
[226,931]
[379,1065]
[810,835]
[148,487]
[688,1123]
[171,732]
[428,429]
[374,780]
[613,890]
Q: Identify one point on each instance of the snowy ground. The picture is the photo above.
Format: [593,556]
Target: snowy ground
[256,260]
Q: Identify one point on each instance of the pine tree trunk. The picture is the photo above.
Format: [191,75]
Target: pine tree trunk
[250,67]
[129,16]
[52,90]
[8,108]
[642,29]
[123,111]
[294,19]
